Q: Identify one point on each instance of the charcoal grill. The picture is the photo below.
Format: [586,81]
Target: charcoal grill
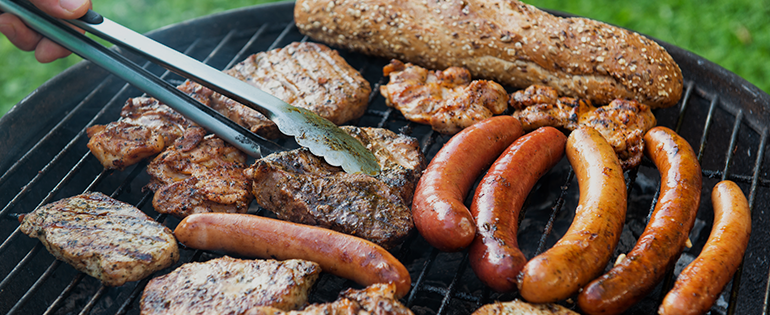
[43,158]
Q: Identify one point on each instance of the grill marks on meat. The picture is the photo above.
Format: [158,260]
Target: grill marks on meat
[622,123]
[447,100]
[300,187]
[102,237]
[145,128]
[206,178]
[307,75]
[230,286]
[375,299]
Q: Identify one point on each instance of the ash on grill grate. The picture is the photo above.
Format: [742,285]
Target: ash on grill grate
[44,158]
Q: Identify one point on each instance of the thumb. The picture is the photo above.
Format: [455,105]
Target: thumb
[63,9]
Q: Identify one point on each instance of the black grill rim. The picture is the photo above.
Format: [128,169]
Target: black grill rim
[724,90]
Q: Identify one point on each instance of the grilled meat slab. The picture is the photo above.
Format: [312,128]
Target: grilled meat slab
[447,100]
[300,187]
[622,123]
[518,307]
[102,237]
[206,178]
[307,75]
[145,128]
[375,299]
[229,286]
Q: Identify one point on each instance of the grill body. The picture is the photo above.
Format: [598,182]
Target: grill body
[43,158]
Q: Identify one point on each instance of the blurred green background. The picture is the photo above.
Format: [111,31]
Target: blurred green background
[731,33]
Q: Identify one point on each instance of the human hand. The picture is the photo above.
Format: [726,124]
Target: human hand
[27,39]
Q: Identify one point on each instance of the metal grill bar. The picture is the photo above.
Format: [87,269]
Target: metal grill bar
[555,212]
[704,137]
[685,101]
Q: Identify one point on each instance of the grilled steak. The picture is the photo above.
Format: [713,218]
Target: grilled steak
[206,178]
[447,100]
[375,299]
[300,187]
[622,123]
[228,286]
[144,129]
[307,75]
[102,237]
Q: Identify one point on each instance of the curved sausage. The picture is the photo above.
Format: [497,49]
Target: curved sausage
[248,235]
[700,283]
[664,238]
[440,214]
[584,250]
[494,254]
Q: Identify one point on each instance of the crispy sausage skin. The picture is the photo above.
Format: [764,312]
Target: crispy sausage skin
[700,283]
[494,254]
[664,238]
[247,235]
[440,214]
[584,250]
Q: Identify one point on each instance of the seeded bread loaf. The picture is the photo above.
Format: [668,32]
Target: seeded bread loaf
[503,40]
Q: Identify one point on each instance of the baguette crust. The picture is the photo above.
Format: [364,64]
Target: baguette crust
[503,40]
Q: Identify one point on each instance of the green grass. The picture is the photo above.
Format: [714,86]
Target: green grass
[731,33]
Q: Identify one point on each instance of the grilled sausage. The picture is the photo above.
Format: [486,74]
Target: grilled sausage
[664,238]
[502,40]
[583,252]
[341,254]
[440,215]
[700,283]
[494,254]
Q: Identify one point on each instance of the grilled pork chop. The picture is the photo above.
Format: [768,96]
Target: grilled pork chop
[447,100]
[375,299]
[206,178]
[228,286]
[300,187]
[623,123]
[144,129]
[102,237]
[307,75]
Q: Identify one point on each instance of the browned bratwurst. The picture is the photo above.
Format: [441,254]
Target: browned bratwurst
[440,214]
[664,238]
[584,250]
[701,282]
[494,254]
[503,40]
[341,254]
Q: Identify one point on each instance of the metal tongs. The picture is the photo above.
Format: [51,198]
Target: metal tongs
[321,136]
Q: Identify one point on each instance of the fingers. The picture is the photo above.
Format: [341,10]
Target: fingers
[18,33]
[63,9]
[28,40]
[48,51]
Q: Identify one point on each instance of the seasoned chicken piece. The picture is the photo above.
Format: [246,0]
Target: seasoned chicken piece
[375,299]
[623,123]
[206,178]
[307,75]
[228,286]
[518,307]
[145,128]
[300,187]
[102,237]
[447,100]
